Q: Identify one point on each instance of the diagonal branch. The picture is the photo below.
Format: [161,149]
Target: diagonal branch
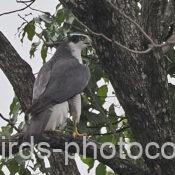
[114,41]
[18,72]
[18,10]
[21,1]
[58,140]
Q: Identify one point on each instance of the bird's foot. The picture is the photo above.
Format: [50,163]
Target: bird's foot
[76,134]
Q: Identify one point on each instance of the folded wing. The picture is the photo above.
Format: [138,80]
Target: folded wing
[58,82]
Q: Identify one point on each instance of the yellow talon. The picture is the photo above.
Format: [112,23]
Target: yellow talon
[77,134]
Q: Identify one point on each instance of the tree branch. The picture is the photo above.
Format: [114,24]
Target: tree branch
[114,41]
[18,10]
[20,1]
[165,46]
[57,140]
[17,71]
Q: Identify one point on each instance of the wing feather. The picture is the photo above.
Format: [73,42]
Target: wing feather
[67,78]
[41,81]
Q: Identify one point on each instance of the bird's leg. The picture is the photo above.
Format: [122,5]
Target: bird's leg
[75,131]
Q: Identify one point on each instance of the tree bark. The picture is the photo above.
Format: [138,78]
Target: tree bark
[140,81]
[20,75]
[57,162]
[18,72]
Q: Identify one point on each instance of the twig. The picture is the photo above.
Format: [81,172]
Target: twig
[23,1]
[22,18]
[151,47]
[14,11]
[113,41]
[9,122]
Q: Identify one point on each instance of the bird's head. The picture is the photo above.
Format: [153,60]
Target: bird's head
[79,41]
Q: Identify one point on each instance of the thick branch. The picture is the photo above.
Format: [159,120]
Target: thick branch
[57,141]
[17,71]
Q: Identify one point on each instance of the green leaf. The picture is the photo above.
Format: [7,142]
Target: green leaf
[106,138]
[101,169]
[112,115]
[60,17]
[33,48]
[30,30]
[23,170]
[13,166]
[15,108]
[6,131]
[102,91]
[89,162]
[21,125]
[44,52]
[128,134]
[102,94]
[19,159]
[1,172]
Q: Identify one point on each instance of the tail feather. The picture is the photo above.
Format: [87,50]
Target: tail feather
[37,125]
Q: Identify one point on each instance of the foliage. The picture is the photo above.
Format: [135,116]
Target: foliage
[101,169]
[89,162]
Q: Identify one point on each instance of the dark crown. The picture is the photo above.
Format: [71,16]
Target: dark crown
[76,38]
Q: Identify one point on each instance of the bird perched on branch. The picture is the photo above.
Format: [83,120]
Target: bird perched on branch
[57,88]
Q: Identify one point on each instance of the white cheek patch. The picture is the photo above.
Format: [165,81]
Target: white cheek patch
[76,50]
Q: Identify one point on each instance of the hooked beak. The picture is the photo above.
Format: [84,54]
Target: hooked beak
[88,42]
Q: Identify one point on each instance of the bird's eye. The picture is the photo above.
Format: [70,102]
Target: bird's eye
[74,39]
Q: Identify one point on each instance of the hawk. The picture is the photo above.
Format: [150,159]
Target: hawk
[57,88]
